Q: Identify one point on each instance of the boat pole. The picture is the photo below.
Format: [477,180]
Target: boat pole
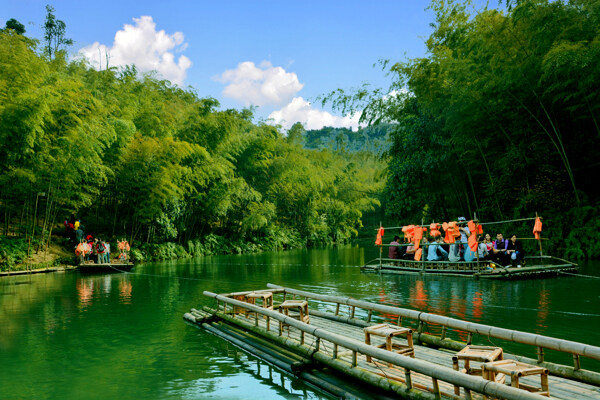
[477,252]
[540,239]
[380,248]
[421,246]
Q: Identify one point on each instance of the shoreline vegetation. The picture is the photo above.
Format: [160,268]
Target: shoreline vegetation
[500,119]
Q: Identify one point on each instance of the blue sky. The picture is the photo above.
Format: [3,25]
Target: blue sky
[279,54]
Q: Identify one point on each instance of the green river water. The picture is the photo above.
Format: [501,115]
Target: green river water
[122,336]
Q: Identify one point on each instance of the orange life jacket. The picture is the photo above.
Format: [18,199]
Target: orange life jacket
[473,242]
[471,226]
[409,232]
[434,229]
[379,239]
[418,254]
[418,235]
[537,228]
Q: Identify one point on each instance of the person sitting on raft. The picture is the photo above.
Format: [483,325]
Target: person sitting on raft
[394,250]
[436,252]
[500,248]
[410,253]
[514,249]
[482,252]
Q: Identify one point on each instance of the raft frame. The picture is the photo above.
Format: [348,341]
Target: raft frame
[484,268]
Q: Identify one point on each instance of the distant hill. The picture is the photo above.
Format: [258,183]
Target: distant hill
[373,139]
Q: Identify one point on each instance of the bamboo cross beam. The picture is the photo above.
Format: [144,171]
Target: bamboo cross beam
[466,222]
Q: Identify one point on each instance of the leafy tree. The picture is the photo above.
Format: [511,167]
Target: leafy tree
[54,33]
[15,26]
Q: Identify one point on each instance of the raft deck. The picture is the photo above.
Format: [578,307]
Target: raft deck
[336,341]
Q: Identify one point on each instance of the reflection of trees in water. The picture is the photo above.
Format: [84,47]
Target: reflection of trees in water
[32,302]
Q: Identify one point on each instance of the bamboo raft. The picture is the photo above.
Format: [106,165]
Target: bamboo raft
[327,347]
[549,266]
[117,266]
[536,265]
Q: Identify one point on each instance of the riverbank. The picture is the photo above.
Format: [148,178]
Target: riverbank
[62,268]
[58,256]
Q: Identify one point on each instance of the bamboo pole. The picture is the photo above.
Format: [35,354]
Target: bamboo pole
[562,345]
[482,223]
[423,367]
[380,249]
[540,239]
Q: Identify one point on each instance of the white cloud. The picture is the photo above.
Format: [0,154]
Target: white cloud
[300,110]
[260,85]
[141,44]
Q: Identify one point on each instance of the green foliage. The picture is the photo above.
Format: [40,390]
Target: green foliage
[13,251]
[15,26]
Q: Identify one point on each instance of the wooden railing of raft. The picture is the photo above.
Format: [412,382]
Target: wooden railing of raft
[541,342]
[435,371]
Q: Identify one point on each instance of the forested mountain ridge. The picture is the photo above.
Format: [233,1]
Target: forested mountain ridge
[373,139]
[135,156]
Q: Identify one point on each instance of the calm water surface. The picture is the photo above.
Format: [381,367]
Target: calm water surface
[72,336]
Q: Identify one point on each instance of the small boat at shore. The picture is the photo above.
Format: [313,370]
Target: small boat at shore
[533,266]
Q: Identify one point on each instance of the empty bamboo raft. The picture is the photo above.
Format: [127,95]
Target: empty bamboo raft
[330,336]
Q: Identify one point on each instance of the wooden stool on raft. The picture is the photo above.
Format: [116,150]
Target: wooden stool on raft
[482,354]
[516,370]
[389,332]
[240,310]
[299,310]
[266,303]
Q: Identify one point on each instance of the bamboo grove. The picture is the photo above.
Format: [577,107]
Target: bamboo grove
[135,156]
[501,117]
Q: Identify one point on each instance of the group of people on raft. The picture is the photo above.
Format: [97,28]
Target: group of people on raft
[463,242]
[98,250]
[93,249]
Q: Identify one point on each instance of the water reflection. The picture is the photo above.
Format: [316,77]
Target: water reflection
[122,335]
[125,291]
